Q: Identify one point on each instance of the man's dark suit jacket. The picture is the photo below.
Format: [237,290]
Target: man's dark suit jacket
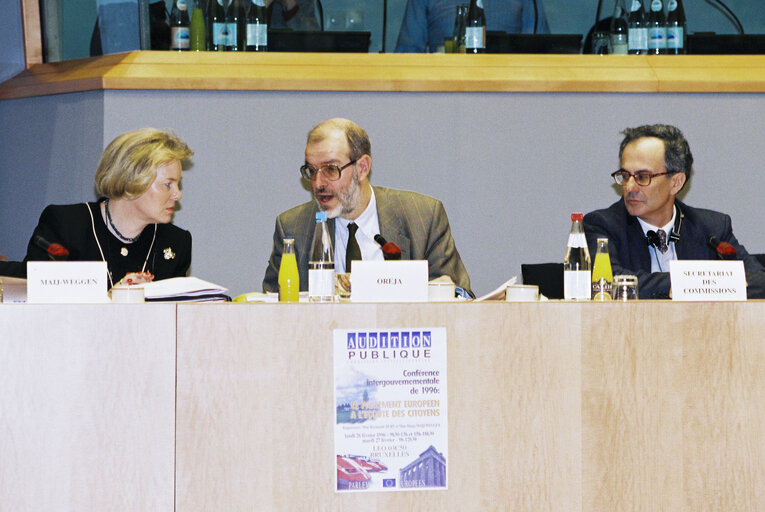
[417,224]
[629,251]
[70,225]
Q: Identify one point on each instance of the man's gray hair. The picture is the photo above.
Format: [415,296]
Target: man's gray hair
[677,152]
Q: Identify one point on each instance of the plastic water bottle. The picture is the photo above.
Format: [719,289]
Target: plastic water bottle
[577,280]
[321,265]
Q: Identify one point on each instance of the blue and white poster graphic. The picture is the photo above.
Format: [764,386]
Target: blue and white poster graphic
[390,409]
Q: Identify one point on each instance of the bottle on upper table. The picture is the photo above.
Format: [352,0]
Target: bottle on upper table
[257,27]
[236,26]
[675,27]
[475,28]
[215,22]
[637,29]
[618,29]
[657,29]
[179,26]
[197,30]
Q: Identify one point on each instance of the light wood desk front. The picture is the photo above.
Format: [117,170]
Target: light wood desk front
[552,406]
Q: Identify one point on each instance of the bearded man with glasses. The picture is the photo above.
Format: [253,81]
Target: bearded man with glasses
[648,227]
[338,160]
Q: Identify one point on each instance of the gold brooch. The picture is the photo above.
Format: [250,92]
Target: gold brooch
[169,254]
[124,251]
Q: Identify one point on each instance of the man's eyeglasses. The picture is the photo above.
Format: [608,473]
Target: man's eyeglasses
[642,178]
[329,171]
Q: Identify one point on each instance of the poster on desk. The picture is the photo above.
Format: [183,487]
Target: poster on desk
[390,409]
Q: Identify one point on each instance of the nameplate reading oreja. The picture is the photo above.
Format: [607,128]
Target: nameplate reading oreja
[694,280]
[67,282]
[389,281]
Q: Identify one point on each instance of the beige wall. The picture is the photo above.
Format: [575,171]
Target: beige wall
[509,167]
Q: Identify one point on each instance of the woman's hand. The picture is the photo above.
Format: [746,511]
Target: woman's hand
[133,278]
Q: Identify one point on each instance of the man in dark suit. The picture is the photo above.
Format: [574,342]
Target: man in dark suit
[648,227]
[337,165]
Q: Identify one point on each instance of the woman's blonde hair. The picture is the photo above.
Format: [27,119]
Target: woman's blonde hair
[129,164]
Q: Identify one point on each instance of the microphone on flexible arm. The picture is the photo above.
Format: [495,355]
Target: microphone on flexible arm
[724,250]
[390,250]
[54,250]
[652,238]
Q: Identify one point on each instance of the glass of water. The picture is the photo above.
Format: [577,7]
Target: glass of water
[625,287]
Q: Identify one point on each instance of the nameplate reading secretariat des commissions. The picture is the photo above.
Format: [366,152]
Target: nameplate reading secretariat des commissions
[390,409]
[714,280]
[389,281]
[67,282]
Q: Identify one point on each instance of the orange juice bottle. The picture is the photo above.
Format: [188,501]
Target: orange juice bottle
[602,276]
[289,279]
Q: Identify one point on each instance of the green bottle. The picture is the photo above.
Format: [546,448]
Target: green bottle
[197,30]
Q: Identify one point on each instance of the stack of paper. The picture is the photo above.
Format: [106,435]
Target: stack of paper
[184,289]
[499,292]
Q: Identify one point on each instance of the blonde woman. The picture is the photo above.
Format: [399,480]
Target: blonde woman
[138,184]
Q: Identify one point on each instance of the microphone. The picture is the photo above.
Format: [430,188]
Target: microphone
[55,251]
[651,238]
[724,250]
[390,250]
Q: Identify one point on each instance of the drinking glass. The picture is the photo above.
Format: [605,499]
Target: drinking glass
[625,288]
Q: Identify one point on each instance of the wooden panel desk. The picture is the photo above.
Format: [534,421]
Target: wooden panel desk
[553,406]
[673,406]
[87,407]
[558,406]
[255,407]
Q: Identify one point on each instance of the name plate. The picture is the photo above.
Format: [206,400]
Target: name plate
[67,282]
[389,281]
[715,280]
